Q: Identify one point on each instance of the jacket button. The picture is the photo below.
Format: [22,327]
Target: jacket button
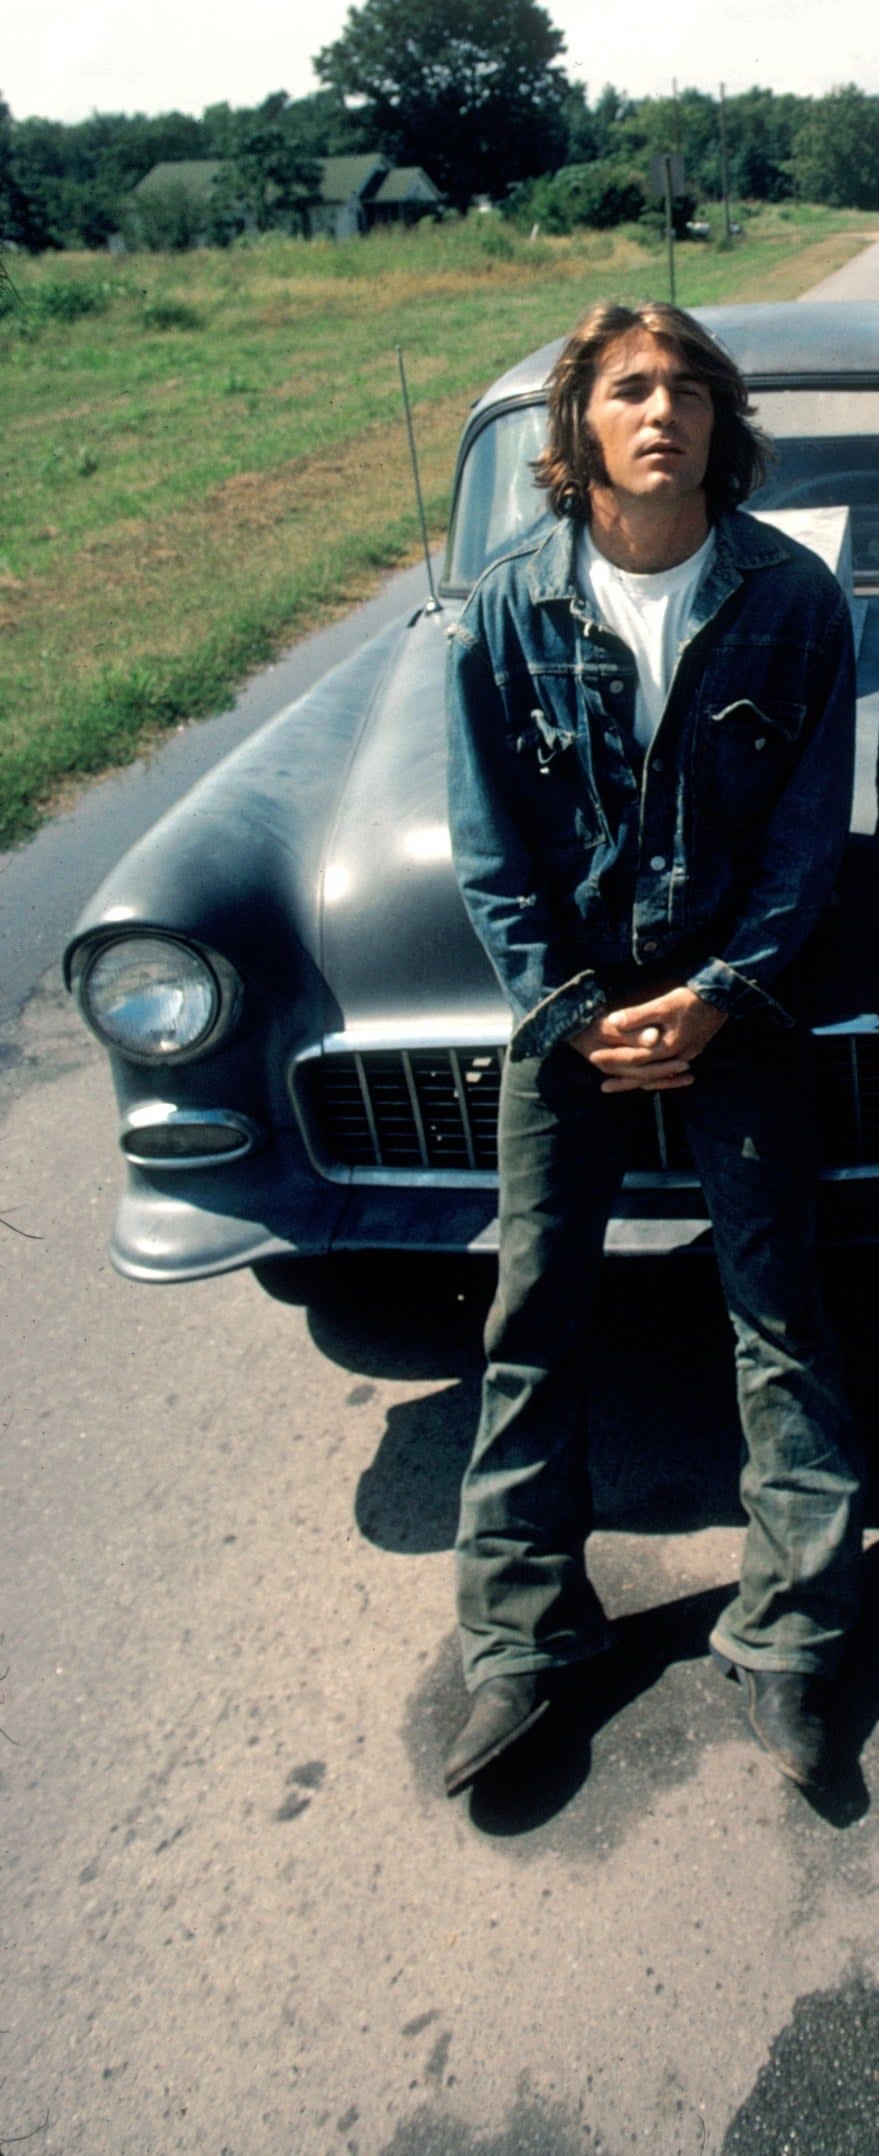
[616,688]
[657,860]
[648,948]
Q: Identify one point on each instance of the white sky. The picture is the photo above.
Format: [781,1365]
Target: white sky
[64,61]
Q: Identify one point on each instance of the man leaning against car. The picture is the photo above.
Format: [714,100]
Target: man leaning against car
[651,749]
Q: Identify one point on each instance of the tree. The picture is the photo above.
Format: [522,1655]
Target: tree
[319,123]
[168,218]
[759,132]
[13,210]
[836,151]
[687,125]
[69,185]
[610,115]
[472,92]
[269,175]
[62,178]
[581,134]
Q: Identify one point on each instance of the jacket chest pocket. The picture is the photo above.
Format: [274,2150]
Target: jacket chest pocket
[745,753]
[555,767]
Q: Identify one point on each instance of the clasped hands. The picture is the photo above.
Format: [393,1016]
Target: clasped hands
[650,1046]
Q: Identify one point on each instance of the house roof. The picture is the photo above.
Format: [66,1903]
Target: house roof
[407,183]
[196,174]
[342,177]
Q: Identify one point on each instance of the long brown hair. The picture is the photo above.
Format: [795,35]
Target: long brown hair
[571,462]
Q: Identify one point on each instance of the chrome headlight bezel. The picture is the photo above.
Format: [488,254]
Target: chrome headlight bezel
[217,981]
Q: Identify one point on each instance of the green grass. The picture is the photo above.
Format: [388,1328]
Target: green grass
[204,456]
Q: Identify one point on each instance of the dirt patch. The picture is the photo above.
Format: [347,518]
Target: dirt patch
[13,593]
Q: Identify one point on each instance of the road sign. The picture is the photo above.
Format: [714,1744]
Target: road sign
[676,180]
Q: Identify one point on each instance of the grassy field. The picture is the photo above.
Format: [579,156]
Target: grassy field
[204,456]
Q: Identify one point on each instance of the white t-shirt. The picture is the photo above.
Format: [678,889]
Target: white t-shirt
[649,613]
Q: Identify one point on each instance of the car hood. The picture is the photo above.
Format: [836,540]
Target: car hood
[395,939]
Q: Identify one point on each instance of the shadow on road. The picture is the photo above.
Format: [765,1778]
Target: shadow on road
[664,1429]
[638,1720]
[550,1766]
[664,1440]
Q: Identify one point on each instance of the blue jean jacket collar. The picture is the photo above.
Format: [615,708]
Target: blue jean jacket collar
[741,544]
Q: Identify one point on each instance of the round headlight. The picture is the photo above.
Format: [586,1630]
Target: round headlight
[150,997]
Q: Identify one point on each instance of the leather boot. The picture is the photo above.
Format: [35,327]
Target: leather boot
[503,1708]
[786,1710]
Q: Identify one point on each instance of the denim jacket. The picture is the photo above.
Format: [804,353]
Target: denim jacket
[709,859]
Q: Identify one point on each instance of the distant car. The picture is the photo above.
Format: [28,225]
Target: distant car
[305,1036]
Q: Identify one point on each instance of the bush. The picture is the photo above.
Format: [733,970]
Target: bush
[600,194]
[494,241]
[67,301]
[653,219]
[30,303]
[170,314]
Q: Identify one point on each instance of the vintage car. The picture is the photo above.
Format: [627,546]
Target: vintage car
[305,1036]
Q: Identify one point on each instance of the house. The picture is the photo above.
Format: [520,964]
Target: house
[356,193]
[359,192]
[348,185]
[181,186]
[171,206]
[406,193]
[194,176]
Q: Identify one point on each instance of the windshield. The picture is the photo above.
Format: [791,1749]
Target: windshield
[826,454]
[497,503]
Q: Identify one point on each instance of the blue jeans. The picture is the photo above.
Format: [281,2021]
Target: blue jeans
[524,1599]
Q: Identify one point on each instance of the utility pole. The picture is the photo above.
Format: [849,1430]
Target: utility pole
[724,171]
[669,226]
[667,180]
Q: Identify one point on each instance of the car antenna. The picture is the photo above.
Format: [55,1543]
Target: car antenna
[434,606]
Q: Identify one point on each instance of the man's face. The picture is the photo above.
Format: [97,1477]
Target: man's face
[650,418]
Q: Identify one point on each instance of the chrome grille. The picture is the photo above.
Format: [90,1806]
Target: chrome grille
[406,1110]
[399,1109]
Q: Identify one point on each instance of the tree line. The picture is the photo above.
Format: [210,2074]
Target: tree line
[478,97]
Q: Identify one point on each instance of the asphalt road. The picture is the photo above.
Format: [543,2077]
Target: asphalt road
[239,1916]
[858,279]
